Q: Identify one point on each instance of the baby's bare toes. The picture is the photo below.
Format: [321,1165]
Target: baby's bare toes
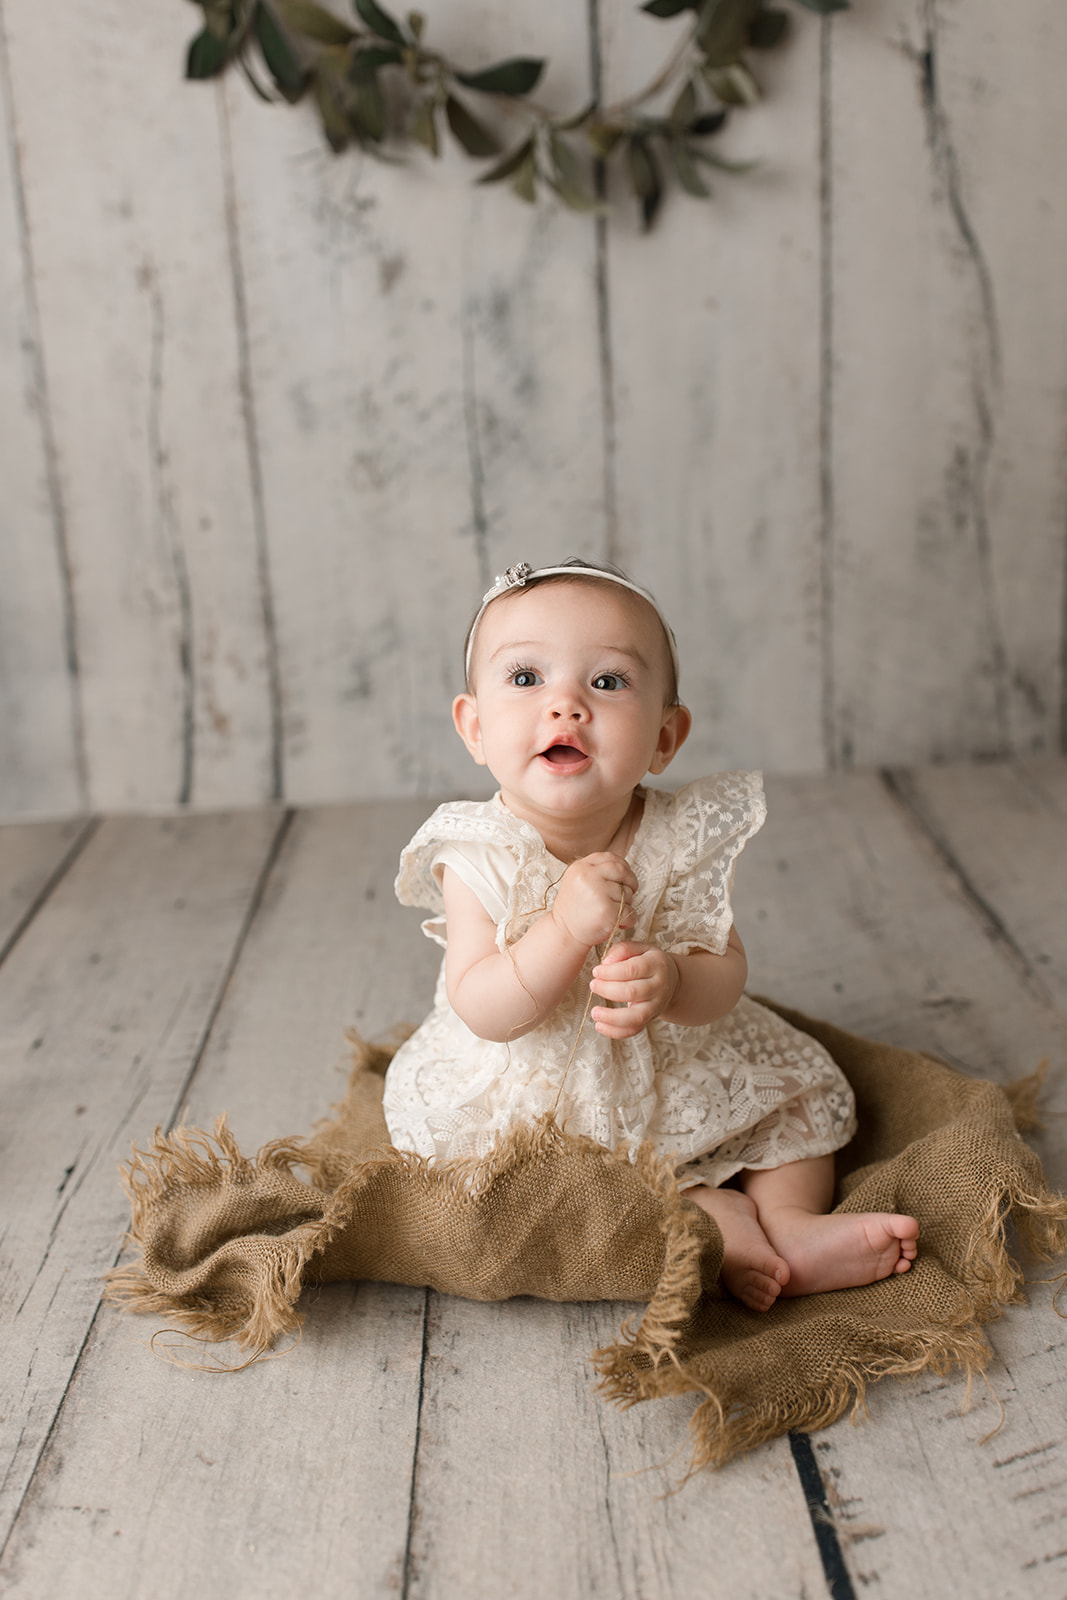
[758,1292]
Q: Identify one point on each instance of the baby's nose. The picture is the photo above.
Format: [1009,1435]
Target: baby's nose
[568,700]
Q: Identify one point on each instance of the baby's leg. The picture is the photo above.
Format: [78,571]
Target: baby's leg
[823,1251]
[751,1269]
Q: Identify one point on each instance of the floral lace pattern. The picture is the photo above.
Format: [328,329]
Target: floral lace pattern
[747,1091]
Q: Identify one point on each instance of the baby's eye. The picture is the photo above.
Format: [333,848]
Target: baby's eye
[609,680]
[523,677]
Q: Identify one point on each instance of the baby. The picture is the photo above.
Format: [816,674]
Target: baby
[571,698]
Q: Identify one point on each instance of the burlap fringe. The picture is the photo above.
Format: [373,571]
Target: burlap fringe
[679,1286]
[1023,1096]
[187,1159]
[725,1425]
[644,1362]
[190,1159]
[720,1431]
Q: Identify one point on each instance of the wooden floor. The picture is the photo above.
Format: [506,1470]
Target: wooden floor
[420,1446]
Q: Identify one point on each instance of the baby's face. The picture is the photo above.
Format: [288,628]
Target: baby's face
[567,706]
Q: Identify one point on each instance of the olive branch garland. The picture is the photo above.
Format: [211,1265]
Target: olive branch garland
[379,86]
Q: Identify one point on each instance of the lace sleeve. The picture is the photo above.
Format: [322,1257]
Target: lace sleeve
[713,820]
[472,825]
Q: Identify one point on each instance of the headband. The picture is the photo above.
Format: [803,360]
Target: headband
[518,576]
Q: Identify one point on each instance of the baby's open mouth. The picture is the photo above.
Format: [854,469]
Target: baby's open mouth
[564,757]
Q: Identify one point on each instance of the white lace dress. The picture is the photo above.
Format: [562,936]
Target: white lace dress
[746,1091]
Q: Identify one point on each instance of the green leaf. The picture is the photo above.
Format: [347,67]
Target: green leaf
[424,127]
[365,63]
[722,29]
[577,199]
[514,77]
[688,176]
[510,164]
[568,168]
[733,85]
[667,8]
[603,136]
[335,124]
[207,56]
[709,122]
[314,22]
[643,172]
[473,135]
[684,108]
[645,179]
[380,22]
[368,109]
[283,62]
[767,29]
[824,7]
[219,19]
[525,184]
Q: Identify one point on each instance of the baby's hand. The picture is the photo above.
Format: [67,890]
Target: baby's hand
[642,976]
[587,900]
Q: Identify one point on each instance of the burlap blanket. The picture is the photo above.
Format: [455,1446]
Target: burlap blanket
[227,1244]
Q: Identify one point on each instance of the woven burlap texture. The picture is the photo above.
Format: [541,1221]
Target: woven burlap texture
[227,1243]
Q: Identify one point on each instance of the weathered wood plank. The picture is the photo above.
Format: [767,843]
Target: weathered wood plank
[849,911]
[33,856]
[1006,836]
[947,401]
[331,949]
[1001,110]
[303,1463]
[426,384]
[104,1004]
[160,1482]
[928,1504]
[715,337]
[40,755]
[891,944]
[528,1480]
[133,281]
[1004,831]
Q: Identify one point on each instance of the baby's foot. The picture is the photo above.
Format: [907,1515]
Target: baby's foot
[751,1268]
[843,1250]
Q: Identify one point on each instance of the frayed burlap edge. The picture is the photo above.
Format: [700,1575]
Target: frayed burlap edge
[188,1159]
[256,1316]
[645,1361]
[726,1424]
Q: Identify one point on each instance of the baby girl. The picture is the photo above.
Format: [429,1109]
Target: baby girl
[571,698]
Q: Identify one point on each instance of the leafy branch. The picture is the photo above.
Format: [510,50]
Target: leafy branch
[379,86]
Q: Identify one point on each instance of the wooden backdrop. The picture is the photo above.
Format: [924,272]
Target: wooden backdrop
[271,420]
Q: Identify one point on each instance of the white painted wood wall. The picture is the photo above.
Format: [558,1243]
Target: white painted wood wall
[270,420]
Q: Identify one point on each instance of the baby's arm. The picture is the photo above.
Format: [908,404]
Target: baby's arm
[685,989]
[504,994]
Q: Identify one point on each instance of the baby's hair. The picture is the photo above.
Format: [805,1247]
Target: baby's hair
[585,573]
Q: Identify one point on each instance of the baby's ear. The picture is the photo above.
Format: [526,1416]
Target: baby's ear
[465,717]
[672,735]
